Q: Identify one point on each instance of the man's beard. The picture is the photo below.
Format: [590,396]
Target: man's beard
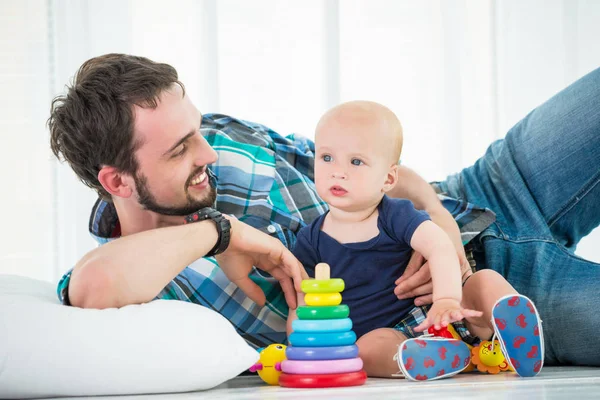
[148,201]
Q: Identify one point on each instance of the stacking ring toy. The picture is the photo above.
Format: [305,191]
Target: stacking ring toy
[321,366]
[323,285]
[323,299]
[322,325]
[322,339]
[321,353]
[322,381]
[325,312]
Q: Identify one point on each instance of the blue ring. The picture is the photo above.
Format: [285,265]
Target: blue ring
[322,325]
[321,353]
[322,339]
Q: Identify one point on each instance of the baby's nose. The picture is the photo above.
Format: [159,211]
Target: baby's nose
[339,175]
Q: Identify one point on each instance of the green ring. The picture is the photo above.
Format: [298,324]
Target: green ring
[335,285]
[323,312]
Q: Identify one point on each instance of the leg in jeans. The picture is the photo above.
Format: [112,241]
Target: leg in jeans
[543,182]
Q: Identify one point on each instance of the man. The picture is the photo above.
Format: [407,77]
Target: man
[129,131]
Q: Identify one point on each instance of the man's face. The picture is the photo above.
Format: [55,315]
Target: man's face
[172,177]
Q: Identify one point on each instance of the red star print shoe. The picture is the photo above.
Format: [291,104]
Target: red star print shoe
[518,328]
[429,358]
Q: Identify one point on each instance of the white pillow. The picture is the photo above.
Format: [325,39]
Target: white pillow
[50,350]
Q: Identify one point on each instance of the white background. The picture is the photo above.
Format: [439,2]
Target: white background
[458,73]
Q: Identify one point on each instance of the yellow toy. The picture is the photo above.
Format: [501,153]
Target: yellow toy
[488,357]
[269,363]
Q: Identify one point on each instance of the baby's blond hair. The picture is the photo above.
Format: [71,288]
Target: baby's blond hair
[381,118]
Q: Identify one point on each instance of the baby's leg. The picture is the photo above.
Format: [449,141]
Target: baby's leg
[377,349]
[480,292]
[513,318]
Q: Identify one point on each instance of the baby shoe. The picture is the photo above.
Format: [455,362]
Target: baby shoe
[518,328]
[430,358]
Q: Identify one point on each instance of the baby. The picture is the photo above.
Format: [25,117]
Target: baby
[367,239]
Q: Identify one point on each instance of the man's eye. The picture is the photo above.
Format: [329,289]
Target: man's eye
[327,158]
[356,161]
[180,152]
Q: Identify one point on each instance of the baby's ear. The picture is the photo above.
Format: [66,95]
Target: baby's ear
[392,178]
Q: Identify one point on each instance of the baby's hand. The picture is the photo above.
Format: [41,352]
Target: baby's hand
[443,312]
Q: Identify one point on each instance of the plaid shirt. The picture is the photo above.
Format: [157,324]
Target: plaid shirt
[266,181]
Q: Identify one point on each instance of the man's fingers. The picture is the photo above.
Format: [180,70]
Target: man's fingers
[418,279]
[424,300]
[286,286]
[414,264]
[425,289]
[290,265]
[252,290]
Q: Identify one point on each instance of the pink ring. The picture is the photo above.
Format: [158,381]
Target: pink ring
[322,366]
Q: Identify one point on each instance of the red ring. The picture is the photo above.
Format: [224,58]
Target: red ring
[322,380]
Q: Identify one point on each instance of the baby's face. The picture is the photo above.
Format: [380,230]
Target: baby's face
[352,165]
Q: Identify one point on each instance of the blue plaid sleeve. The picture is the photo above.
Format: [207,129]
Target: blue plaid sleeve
[62,290]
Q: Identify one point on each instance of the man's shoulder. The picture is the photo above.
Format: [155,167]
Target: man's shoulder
[224,128]
[226,123]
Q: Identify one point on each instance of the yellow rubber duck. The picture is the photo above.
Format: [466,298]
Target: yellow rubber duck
[269,363]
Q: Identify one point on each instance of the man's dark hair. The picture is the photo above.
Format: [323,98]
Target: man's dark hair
[92,124]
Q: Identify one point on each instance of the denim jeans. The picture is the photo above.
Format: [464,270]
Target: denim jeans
[543,182]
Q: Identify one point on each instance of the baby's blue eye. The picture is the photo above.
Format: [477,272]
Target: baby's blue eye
[327,158]
[356,161]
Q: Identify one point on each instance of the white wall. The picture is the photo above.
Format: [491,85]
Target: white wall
[458,73]
[28,228]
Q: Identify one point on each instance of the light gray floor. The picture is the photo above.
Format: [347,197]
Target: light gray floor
[565,383]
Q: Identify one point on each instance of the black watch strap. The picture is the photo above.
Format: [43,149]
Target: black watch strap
[223,227]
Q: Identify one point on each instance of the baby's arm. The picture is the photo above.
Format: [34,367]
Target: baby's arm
[431,241]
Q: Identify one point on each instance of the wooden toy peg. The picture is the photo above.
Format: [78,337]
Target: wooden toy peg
[322,271]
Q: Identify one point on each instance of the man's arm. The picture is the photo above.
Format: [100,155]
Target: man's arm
[135,268]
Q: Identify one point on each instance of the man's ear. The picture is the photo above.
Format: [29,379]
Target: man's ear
[114,182]
[392,178]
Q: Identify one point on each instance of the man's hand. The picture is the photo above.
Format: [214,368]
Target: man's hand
[444,312]
[416,279]
[249,247]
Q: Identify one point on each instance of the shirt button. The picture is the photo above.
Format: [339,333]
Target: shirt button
[271,229]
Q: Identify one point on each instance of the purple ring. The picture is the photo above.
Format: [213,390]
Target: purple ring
[321,353]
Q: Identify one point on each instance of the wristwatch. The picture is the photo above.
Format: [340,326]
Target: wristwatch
[223,227]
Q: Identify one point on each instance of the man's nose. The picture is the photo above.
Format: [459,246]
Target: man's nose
[206,154]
